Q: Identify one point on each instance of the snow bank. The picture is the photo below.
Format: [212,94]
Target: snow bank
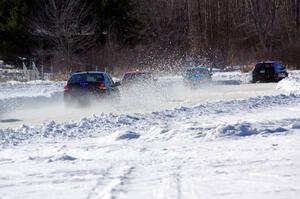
[244,129]
[21,94]
[85,127]
[291,84]
[12,103]
[14,89]
[106,124]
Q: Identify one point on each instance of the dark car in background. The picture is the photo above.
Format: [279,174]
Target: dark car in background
[83,87]
[270,71]
[195,76]
[137,78]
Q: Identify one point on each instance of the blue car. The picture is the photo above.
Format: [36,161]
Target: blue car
[270,71]
[195,76]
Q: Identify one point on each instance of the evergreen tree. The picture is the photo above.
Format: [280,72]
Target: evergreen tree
[14,38]
[121,19]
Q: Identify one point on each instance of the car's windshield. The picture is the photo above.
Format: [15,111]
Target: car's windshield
[86,77]
[268,67]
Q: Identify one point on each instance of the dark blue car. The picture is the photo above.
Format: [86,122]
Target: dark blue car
[195,76]
[269,71]
[83,87]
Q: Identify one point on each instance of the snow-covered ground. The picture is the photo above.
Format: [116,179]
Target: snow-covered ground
[229,139]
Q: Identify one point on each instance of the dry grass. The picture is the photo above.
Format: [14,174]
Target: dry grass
[246,68]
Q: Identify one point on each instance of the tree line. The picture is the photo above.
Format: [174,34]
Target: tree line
[150,33]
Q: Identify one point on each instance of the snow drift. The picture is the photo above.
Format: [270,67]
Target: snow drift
[291,84]
[15,94]
[134,123]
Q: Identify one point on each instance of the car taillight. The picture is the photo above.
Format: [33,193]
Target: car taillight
[66,87]
[102,86]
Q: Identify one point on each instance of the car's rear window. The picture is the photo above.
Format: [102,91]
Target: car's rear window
[87,77]
[265,66]
[196,71]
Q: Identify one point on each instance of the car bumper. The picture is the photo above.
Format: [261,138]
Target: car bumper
[269,78]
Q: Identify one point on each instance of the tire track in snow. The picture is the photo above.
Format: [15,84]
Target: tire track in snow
[173,174]
[116,177]
[171,186]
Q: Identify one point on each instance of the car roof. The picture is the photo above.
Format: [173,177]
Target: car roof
[268,62]
[89,72]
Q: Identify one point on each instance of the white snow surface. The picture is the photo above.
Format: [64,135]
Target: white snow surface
[228,140]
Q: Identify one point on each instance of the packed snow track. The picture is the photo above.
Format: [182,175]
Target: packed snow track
[229,139]
[43,102]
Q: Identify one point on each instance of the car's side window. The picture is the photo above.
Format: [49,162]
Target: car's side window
[281,67]
[110,80]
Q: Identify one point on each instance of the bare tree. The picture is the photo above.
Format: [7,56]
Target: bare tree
[69,26]
[265,17]
[223,32]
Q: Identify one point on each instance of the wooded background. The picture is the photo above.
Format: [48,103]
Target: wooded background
[161,34]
